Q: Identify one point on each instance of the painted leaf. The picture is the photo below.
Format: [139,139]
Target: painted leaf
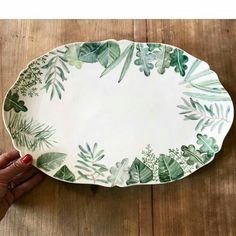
[108,53]
[144,59]
[194,156]
[119,173]
[163,58]
[150,160]
[208,97]
[208,145]
[179,60]
[128,53]
[88,165]
[12,102]
[71,55]
[30,133]
[88,52]
[169,169]
[50,161]
[65,174]
[127,63]
[56,74]
[139,173]
[153,46]
[30,78]
[207,115]
[191,76]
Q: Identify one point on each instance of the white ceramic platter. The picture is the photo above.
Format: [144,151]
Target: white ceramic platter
[118,113]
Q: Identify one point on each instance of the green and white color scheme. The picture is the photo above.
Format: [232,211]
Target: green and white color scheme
[118,113]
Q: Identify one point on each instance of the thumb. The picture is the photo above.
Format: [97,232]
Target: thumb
[16,167]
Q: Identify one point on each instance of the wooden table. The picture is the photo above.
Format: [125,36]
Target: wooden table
[202,204]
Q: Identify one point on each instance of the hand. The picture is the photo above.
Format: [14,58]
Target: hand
[17,176]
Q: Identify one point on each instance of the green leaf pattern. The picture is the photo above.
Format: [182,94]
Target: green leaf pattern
[65,174]
[89,166]
[12,102]
[108,53]
[144,59]
[56,70]
[139,173]
[50,160]
[169,169]
[71,55]
[208,145]
[119,173]
[163,58]
[212,116]
[179,60]
[52,71]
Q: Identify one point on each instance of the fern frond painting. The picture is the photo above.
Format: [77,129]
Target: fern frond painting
[118,113]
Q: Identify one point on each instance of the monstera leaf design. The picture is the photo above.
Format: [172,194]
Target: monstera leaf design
[139,173]
[144,59]
[169,169]
[12,102]
[179,60]
[65,174]
[208,145]
[119,173]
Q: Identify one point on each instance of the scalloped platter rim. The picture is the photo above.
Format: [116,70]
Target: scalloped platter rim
[136,113]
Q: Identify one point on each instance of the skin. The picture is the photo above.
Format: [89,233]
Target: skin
[25,176]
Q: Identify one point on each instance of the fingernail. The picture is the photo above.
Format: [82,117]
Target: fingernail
[26,159]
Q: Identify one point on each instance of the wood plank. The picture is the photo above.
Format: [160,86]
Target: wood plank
[56,208]
[203,203]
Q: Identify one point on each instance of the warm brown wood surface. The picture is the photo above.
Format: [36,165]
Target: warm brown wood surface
[201,204]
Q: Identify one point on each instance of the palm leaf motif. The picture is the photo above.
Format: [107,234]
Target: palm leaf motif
[179,60]
[88,164]
[144,59]
[210,88]
[29,133]
[212,116]
[55,73]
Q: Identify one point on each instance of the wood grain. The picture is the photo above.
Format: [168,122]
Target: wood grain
[202,204]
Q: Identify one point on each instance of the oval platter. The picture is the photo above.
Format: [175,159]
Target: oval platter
[118,113]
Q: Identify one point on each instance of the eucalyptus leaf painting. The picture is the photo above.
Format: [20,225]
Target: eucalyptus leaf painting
[118,113]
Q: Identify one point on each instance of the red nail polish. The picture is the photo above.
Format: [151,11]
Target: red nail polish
[26,159]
